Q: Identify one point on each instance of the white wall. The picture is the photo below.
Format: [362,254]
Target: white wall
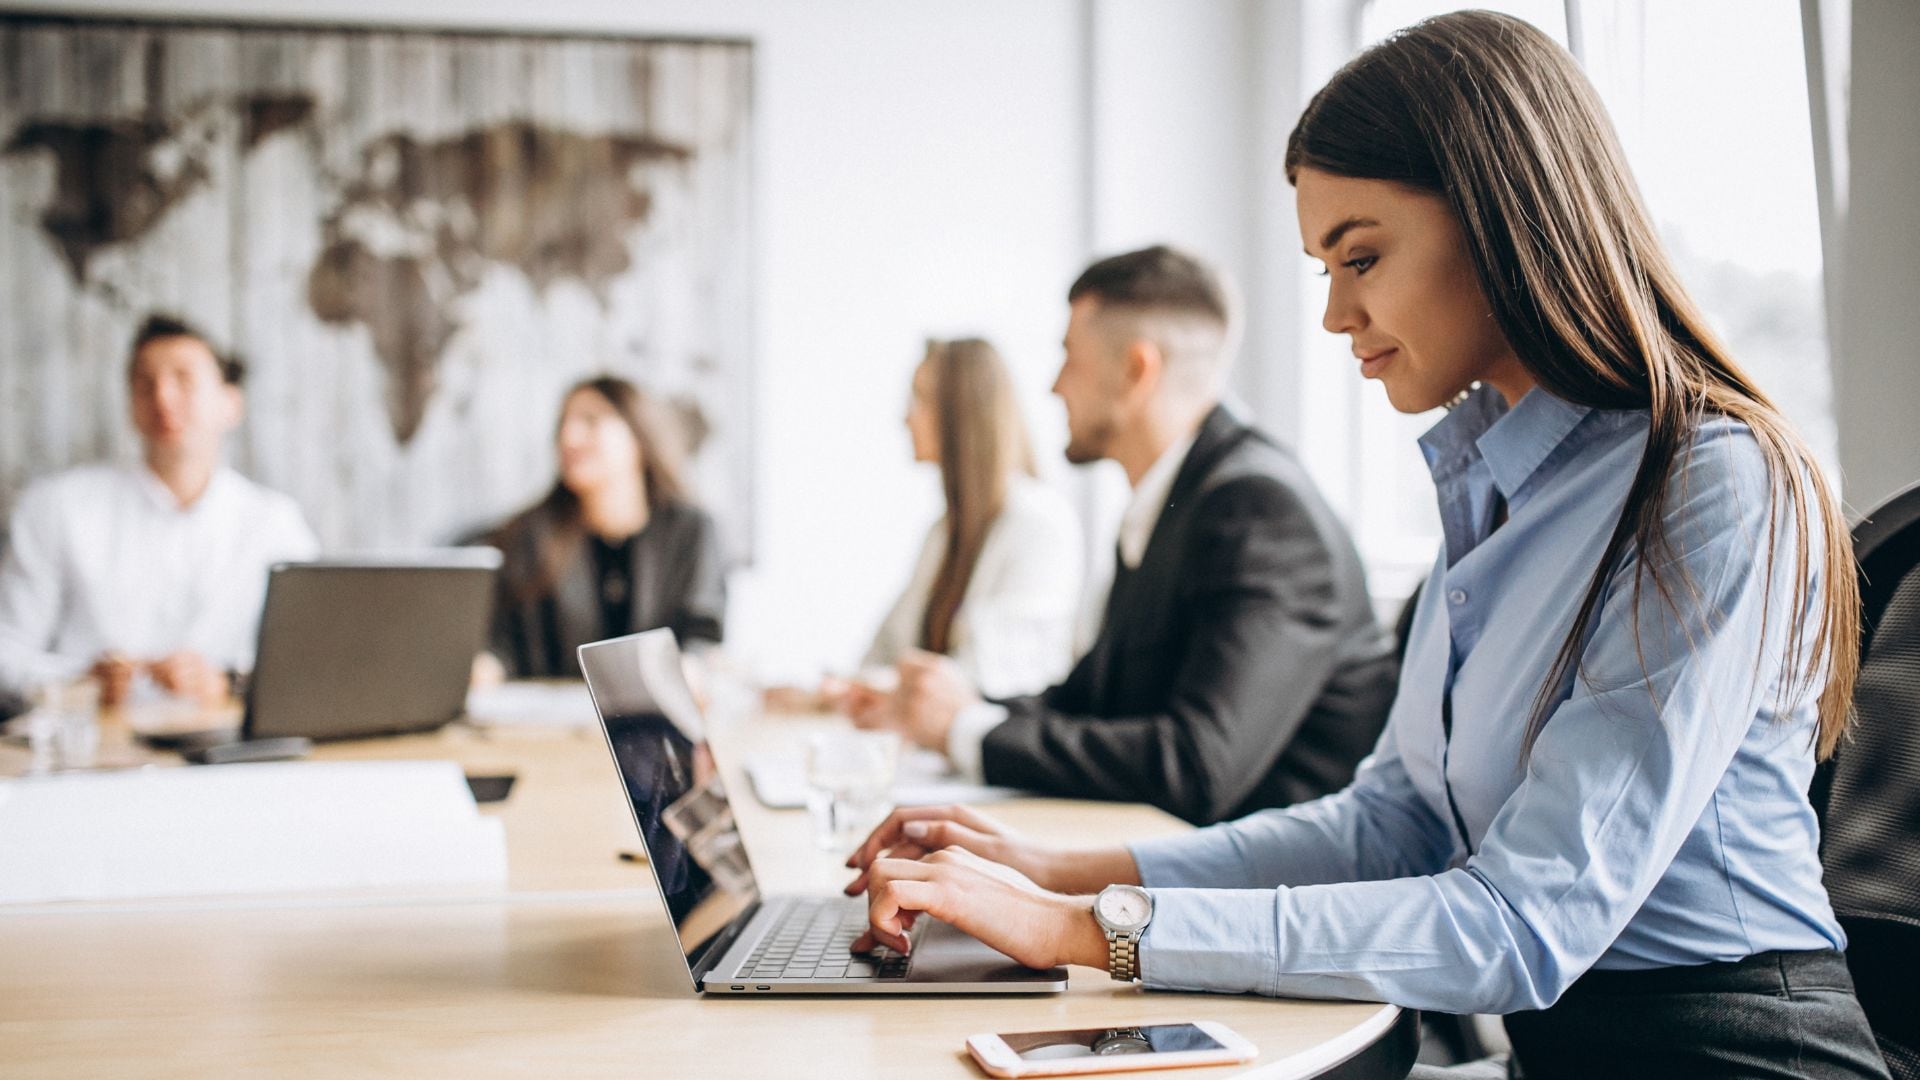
[1190,105]
[1170,126]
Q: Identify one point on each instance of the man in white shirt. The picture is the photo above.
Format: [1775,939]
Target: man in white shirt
[156,569]
[1238,663]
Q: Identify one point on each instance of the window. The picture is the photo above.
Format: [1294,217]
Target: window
[1710,100]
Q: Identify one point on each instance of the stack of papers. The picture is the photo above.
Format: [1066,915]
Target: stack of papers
[923,779]
[537,704]
[245,829]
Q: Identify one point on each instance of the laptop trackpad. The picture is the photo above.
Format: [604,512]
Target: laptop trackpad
[944,954]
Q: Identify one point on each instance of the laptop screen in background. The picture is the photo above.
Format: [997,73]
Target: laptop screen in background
[679,802]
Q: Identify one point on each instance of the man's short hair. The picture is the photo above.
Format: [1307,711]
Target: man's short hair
[1159,280]
[233,370]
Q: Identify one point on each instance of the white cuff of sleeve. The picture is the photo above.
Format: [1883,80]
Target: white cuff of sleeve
[968,733]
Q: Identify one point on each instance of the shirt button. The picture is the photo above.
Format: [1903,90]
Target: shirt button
[1457,596]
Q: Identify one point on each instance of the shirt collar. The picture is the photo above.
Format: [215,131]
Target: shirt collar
[1149,499]
[161,496]
[1514,442]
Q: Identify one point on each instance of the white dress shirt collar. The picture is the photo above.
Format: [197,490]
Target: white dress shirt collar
[1149,499]
[156,490]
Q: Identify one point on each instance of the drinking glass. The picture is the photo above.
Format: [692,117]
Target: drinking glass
[64,727]
[849,784]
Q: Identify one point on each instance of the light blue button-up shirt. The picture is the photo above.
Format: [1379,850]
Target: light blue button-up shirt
[1661,818]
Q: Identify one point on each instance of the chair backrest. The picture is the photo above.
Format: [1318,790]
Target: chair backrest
[1403,624]
[1868,795]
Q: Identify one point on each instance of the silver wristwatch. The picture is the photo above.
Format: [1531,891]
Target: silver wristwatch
[1123,912]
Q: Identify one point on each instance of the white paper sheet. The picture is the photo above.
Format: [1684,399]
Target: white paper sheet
[534,704]
[923,779]
[244,829]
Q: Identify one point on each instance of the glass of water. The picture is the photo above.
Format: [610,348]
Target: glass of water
[63,730]
[849,784]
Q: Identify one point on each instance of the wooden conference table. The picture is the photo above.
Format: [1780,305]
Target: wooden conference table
[572,970]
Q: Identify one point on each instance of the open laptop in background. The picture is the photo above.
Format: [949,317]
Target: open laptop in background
[357,647]
[734,939]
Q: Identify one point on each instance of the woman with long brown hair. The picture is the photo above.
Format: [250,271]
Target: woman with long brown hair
[615,547]
[1589,810]
[999,574]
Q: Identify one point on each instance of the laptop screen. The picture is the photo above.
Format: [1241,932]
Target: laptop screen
[655,732]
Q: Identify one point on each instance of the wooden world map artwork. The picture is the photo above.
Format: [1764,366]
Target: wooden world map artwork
[438,230]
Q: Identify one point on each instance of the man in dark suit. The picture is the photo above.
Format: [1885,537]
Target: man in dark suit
[1238,665]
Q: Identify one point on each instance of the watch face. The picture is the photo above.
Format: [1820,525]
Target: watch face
[1123,908]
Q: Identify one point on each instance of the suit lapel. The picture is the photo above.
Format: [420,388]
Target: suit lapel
[645,578]
[1137,594]
[577,597]
[1219,433]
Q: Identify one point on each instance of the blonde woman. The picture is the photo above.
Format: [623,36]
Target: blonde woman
[998,579]
[997,583]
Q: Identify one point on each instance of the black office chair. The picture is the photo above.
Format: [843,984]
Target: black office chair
[1868,794]
[1403,625]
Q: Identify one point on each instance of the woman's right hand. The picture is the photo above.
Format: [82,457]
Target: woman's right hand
[913,832]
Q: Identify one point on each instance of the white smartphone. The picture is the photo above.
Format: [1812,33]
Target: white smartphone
[1112,1049]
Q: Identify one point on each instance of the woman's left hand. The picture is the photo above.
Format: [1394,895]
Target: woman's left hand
[994,903]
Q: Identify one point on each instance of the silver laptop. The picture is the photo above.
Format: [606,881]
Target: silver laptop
[735,940]
[375,645]
[349,648]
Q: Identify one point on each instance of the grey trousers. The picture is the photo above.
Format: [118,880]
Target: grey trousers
[1489,1069]
[1790,1016]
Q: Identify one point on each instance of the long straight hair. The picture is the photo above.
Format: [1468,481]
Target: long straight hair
[662,477]
[1491,114]
[983,442]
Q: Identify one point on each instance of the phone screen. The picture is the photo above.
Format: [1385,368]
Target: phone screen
[1109,1042]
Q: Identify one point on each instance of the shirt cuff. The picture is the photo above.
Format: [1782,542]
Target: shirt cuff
[1223,941]
[967,736]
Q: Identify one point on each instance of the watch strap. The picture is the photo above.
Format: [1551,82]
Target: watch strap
[1123,955]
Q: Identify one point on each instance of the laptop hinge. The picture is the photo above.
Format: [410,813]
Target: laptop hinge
[723,941]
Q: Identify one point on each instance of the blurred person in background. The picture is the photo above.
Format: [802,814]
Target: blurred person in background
[155,570]
[997,582]
[616,547]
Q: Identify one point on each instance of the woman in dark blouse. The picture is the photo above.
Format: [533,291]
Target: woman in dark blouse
[616,547]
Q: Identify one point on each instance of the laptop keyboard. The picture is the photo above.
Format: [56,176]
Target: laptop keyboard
[811,941]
